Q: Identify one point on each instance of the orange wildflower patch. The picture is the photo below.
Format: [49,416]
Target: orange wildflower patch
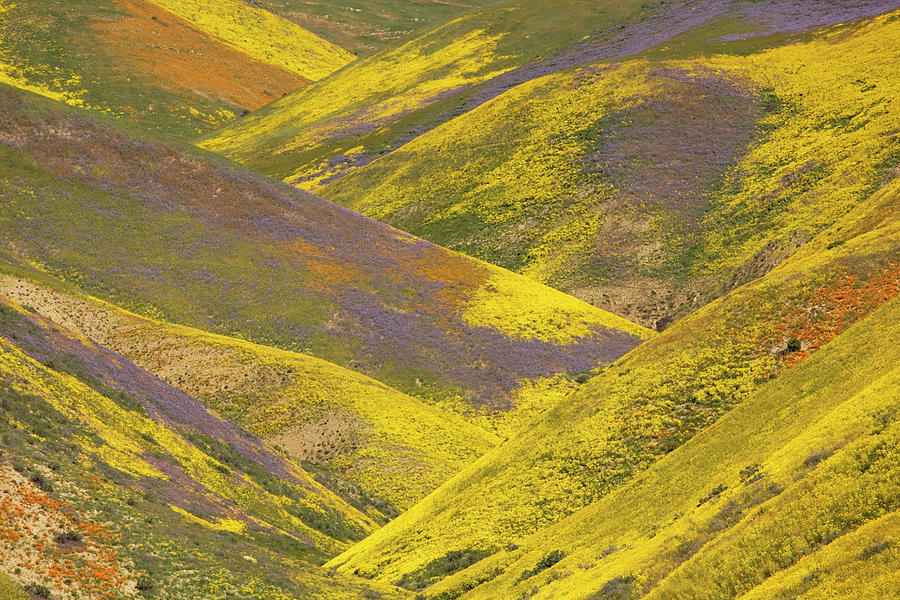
[174,52]
[833,308]
[83,564]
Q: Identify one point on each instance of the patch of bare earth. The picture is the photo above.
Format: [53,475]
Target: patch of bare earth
[332,433]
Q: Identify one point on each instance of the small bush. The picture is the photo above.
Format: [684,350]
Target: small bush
[794,345]
[39,480]
[749,471]
[751,474]
[68,539]
[583,376]
[221,468]
[38,592]
[145,584]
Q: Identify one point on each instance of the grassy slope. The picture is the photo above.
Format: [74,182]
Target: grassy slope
[805,474]
[364,107]
[865,559]
[380,103]
[136,60]
[199,242]
[148,482]
[262,35]
[392,449]
[365,26]
[685,171]
[652,400]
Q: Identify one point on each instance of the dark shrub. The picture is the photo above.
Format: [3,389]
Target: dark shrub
[145,584]
[39,480]
[874,549]
[38,592]
[712,494]
[68,539]
[545,563]
[751,474]
[815,458]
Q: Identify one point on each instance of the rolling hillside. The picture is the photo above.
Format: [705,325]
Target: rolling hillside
[113,481]
[449,300]
[378,104]
[684,172]
[262,35]
[382,450]
[654,400]
[365,26]
[180,235]
[793,494]
[178,67]
[383,101]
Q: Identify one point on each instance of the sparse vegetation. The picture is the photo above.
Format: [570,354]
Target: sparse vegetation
[617,588]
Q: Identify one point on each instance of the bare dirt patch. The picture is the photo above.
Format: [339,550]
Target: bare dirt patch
[334,433]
